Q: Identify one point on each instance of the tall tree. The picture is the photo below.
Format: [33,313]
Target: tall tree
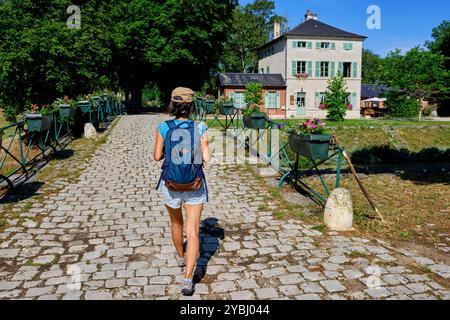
[121,44]
[251,27]
[419,73]
[41,58]
[169,42]
[371,67]
[441,43]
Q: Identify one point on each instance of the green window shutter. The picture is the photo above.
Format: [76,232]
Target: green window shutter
[294,44]
[354,102]
[317,69]
[333,46]
[346,46]
[350,46]
[294,68]
[310,68]
[355,69]
[266,100]
[309,45]
[341,68]
[317,45]
[332,68]
[278,99]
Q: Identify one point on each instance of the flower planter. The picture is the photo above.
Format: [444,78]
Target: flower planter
[209,106]
[255,121]
[226,109]
[313,146]
[85,106]
[66,111]
[38,122]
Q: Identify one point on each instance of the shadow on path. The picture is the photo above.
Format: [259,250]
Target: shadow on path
[210,234]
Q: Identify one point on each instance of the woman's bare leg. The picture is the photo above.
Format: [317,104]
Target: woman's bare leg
[193,214]
[176,219]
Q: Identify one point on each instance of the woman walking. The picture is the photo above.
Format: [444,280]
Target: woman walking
[183,144]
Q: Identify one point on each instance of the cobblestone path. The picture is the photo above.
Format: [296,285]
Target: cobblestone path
[112,227]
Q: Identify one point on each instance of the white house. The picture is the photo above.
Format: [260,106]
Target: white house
[307,57]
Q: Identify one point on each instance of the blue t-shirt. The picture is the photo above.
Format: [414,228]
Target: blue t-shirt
[163,127]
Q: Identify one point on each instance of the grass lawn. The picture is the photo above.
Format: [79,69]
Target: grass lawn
[413,196]
[359,123]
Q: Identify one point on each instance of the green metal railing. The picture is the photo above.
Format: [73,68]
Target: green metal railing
[37,138]
[272,147]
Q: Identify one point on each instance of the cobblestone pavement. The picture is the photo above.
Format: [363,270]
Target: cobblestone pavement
[111,226]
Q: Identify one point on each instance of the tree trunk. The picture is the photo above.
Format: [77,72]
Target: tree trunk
[420,108]
[136,97]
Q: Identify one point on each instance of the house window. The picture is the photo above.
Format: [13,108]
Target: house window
[301,67]
[268,69]
[348,46]
[324,69]
[239,101]
[324,45]
[348,99]
[322,97]
[262,70]
[347,69]
[271,100]
[300,44]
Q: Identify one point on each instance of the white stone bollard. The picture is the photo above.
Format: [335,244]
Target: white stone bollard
[338,215]
[90,132]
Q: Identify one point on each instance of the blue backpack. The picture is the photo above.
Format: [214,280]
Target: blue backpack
[182,169]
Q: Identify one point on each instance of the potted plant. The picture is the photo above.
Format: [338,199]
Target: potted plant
[209,104]
[226,106]
[39,118]
[310,140]
[253,117]
[84,105]
[65,106]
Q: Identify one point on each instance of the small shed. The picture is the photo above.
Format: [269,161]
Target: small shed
[232,85]
[372,103]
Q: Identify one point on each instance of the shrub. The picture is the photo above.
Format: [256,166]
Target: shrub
[253,96]
[401,106]
[11,114]
[335,99]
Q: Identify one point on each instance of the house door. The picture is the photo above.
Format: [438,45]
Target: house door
[301,103]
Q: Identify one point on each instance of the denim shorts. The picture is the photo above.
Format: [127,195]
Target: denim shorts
[175,199]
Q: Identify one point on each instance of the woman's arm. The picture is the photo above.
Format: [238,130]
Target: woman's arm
[206,154]
[158,153]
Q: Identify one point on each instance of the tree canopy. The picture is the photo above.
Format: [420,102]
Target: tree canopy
[251,27]
[371,67]
[121,44]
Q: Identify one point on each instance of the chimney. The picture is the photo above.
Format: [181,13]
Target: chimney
[276,29]
[309,15]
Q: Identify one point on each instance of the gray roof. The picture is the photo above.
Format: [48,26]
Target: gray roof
[315,28]
[242,79]
[373,90]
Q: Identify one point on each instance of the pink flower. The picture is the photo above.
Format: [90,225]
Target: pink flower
[350,107]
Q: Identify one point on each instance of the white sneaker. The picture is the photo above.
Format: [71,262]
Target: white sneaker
[187,287]
[181,261]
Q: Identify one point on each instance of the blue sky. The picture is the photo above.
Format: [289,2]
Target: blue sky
[404,23]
